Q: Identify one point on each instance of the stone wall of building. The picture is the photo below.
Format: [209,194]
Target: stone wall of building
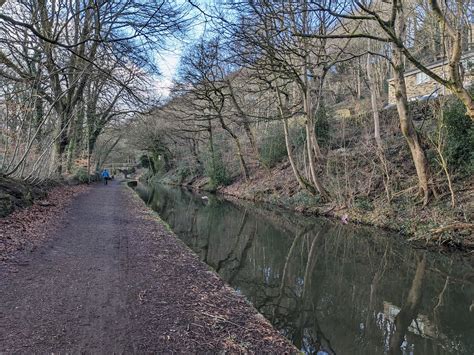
[428,87]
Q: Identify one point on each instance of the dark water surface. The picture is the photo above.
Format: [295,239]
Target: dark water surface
[347,289]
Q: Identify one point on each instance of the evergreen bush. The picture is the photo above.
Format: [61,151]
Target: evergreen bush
[322,126]
[459,147]
[215,169]
[80,174]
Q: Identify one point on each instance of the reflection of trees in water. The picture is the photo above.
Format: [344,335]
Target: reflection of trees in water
[322,283]
[409,310]
[231,257]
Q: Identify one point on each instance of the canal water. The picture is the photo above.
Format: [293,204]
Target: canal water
[342,288]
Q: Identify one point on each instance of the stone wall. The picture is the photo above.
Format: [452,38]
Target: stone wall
[429,87]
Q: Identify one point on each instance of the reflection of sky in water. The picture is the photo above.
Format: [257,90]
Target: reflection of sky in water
[355,276]
[298,286]
[267,274]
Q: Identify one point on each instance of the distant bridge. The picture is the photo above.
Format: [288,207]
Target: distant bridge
[120,166]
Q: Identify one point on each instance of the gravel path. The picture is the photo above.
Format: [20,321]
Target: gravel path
[113,279]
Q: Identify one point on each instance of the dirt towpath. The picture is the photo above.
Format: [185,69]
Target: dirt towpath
[113,279]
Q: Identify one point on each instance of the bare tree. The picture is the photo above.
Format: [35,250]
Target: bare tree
[205,73]
[59,51]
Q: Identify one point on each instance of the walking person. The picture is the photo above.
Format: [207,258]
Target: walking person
[106,176]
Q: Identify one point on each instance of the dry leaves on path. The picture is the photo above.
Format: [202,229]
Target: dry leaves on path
[27,228]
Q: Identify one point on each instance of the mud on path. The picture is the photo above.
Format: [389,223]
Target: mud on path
[113,279]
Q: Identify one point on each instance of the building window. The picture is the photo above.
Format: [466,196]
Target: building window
[422,78]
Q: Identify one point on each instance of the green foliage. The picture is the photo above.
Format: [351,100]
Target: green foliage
[183,172]
[272,146]
[298,136]
[364,203]
[459,147]
[145,161]
[304,198]
[322,126]
[81,175]
[216,170]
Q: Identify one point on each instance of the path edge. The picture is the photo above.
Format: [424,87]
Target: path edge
[158,220]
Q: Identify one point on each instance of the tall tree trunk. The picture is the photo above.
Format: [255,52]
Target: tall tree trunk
[289,151]
[75,147]
[245,121]
[411,136]
[359,83]
[251,137]
[467,100]
[313,150]
[301,181]
[374,102]
[454,68]
[62,141]
[211,145]
[236,140]
[406,123]
[312,166]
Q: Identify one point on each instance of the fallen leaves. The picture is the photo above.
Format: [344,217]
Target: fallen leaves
[25,229]
[189,302]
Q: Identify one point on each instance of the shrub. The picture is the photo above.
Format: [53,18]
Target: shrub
[304,198]
[81,175]
[154,162]
[459,147]
[183,172]
[322,126]
[215,169]
[272,147]
[364,203]
[144,161]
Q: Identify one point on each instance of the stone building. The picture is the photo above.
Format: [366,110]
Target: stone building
[420,86]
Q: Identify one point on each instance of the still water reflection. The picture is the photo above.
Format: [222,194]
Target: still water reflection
[343,289]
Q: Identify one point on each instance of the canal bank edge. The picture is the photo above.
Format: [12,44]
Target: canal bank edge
[235,325]
[434,227]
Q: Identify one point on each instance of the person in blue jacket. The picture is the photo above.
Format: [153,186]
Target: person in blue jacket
[106,176]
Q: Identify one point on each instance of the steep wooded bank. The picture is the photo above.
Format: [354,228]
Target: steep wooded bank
[355,108]
[363,188]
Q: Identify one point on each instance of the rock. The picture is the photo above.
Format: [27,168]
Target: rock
[6,205]
[17,194]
